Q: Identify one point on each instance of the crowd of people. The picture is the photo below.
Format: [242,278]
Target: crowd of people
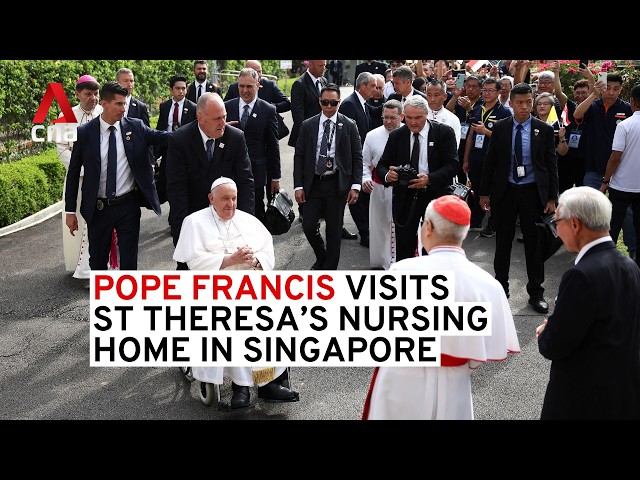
[390,151]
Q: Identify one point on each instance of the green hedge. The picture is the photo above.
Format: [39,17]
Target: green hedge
[29,185]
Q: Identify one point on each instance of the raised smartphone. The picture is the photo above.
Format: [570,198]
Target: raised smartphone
[584,63]
[602,77]
[460,80]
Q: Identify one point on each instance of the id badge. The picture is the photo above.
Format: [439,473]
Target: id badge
[329,163]
[479,140]
[521,172]
[574,139]
[464,128]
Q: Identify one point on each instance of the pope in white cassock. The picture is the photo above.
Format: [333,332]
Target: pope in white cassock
[381,226]
[444,393]
[220,237]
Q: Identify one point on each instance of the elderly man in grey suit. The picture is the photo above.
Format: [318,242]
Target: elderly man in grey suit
[327,174]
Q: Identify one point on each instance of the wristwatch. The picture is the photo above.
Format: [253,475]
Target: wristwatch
[605,181]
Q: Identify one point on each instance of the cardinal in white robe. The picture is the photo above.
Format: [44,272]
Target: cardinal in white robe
[444,393]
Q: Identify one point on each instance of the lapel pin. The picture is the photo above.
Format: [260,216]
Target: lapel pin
[222,145]
[339,125]
[128,135]
[254,115]
[536,132]
[431,144]
[134,104]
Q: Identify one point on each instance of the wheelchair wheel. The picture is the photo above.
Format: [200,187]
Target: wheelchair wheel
[208,393]
[186,372]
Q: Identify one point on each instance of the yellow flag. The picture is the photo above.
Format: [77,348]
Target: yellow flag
[553,116]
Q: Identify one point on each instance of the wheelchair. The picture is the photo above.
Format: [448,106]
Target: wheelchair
[210,392]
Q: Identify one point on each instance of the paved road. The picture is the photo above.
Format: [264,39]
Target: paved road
[44,338]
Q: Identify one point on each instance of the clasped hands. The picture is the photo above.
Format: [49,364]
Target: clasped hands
[243,255]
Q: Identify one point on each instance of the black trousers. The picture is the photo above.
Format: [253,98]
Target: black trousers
[620,202]
[360,213]
[125,218]
[259,182]
[522,201]
[323,200]
[408,208]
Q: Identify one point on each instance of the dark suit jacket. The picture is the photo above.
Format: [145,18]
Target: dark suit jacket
[304,103]
[138,109]
[188,116]
[260,133]
[442,154]
[348,155]
[189,174]
[497,162]
[593,339]
[86,152]
[268,91]
[352,108]
[376,112]
[209,87]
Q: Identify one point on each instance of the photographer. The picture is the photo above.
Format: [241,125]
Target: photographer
[419,160]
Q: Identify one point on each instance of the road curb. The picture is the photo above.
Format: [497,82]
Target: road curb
[34,219]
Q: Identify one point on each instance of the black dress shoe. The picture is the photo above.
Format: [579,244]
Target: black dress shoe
[273,392]
[539,305]
[317,265]
[348,236]
[241,397]
[364,240]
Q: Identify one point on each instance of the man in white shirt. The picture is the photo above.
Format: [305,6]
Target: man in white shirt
[622,175]
[436,96]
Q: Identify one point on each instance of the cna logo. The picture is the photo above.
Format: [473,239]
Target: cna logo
[64,128]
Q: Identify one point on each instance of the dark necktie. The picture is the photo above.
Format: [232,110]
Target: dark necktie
[112,162]
[210,149]
[318,86]
[367,115]
[199,92]
[517,152]
[324,149]
[176,123]
[415,153]
[245,117]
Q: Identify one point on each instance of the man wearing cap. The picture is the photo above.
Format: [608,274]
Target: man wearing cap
[220,237]
[444,393]
[76,246]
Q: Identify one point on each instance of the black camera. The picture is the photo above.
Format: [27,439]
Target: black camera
[405,173]
[460,190]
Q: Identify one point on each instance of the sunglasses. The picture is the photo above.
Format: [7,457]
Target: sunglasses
[333,103]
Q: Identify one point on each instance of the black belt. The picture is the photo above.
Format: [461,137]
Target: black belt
[103,202]
[326,177]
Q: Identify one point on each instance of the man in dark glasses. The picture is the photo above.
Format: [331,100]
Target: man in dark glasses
[327,174]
